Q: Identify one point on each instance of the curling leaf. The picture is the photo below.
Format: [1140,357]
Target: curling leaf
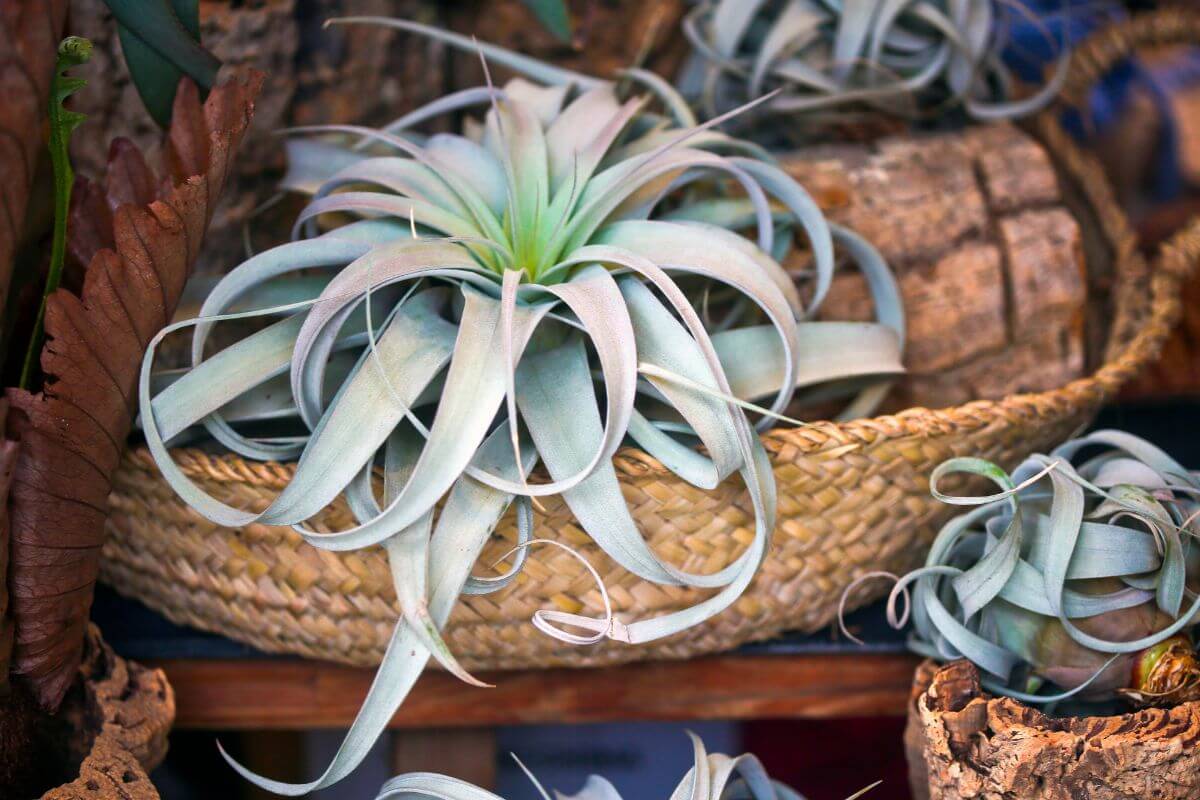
[712,777]
[823,56]
[1061,578]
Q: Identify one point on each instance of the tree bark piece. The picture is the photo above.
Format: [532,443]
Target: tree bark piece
[964,745]
[988,256]
[115,725]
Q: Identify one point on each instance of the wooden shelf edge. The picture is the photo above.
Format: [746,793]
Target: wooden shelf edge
[247,694]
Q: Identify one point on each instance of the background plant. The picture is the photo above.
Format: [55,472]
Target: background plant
[1074,577]
[576,247]
[714,776]
[825,56]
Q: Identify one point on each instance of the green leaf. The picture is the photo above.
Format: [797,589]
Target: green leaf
[553,15]
[72,52]
[160,41]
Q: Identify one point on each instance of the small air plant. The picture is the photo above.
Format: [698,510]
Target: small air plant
[713,777]
[825,56]
[457,308]
[1071,581]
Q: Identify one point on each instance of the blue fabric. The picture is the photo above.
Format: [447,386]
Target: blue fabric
[1033,40]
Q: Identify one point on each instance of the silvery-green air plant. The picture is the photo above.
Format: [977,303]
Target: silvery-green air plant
[1072,580]
[915,58]
[566,274]
[714,776]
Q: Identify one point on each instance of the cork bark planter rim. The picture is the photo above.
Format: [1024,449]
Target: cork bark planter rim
[114,724]
[853,496]
[963,744]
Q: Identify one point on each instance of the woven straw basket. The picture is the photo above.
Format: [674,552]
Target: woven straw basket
[853,497]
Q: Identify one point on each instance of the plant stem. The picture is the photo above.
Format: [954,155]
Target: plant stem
[71,52]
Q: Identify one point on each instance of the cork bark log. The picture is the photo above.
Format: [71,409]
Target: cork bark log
[964,745]
[989,258]
[112,729]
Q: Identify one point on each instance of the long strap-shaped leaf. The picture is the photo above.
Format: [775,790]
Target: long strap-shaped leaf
[467,520]
[473,393]
[250,362]
[593,297]
[414,347]
[382,266]
[756,472]
[405,263]
[408,554]
[674,246]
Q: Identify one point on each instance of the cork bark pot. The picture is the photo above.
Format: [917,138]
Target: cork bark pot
[854,497]
[113,725]
[963,745]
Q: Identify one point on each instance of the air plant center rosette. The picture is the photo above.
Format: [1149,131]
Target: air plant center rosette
[456,309]
[1071,582]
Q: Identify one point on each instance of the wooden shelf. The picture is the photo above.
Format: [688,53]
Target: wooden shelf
[287,694]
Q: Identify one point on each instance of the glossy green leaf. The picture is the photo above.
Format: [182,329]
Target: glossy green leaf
[160,42]
[553,15]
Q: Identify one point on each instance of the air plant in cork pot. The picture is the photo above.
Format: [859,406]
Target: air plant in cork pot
[1077,581]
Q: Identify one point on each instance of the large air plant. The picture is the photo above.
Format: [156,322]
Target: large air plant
[1072,580]
[899,56]
[457,308]
[713,776]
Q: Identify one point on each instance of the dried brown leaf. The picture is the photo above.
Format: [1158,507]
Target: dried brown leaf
[29,34]
[8,461]
[72,433]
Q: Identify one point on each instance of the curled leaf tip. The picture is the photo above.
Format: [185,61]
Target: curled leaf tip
[73,51]
[1076,574]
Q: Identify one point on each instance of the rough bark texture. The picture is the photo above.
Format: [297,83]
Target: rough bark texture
[115,725]
[989,259]
[965,745]
[358,73]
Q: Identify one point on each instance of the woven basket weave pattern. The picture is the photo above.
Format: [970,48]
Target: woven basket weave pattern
[853,498]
